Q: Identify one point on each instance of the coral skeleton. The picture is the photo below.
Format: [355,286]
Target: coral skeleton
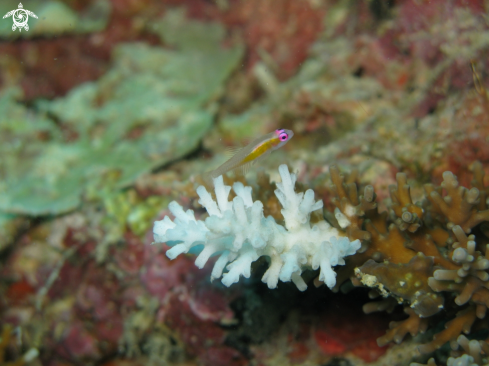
[239,233]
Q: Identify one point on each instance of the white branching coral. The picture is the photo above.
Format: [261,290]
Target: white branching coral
[238,232]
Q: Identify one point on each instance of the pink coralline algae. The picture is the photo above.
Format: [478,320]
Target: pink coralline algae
[434,35]
[203,337]
[87,307]
[191,306]
[78,343]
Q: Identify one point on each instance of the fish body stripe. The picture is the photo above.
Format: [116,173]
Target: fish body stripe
[261,149]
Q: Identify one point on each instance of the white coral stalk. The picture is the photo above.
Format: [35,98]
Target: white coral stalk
[238,232]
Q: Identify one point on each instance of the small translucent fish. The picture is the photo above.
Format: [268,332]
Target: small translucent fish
[256,150]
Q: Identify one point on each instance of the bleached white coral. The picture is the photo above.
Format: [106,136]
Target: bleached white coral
[238,232]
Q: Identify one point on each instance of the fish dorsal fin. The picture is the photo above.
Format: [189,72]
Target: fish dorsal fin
[260,139]
[230,151]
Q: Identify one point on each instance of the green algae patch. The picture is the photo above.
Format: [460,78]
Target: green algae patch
[152,107]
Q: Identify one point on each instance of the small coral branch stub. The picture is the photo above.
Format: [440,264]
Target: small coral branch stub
[408,215]
[350,207]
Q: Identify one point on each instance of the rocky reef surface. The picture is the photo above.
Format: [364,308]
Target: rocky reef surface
[111,109]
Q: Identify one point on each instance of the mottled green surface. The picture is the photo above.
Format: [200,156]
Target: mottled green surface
[121,210]
[151,108]
[54,18]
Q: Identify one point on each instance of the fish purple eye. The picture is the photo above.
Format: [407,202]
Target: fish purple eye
[283,136]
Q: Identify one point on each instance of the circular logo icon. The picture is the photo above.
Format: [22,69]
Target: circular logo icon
[20,17]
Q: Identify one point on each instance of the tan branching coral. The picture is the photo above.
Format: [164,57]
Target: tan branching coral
[351,211]
[461,323]
[408,215]
[387,304]
[387,243]
[271,205]
[351,207]
[470,277]
[478,182]
[473,348]
[426,256]
[459,206]
[413,325]
[405,282]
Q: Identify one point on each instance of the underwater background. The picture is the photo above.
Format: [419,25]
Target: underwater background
[112,109]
